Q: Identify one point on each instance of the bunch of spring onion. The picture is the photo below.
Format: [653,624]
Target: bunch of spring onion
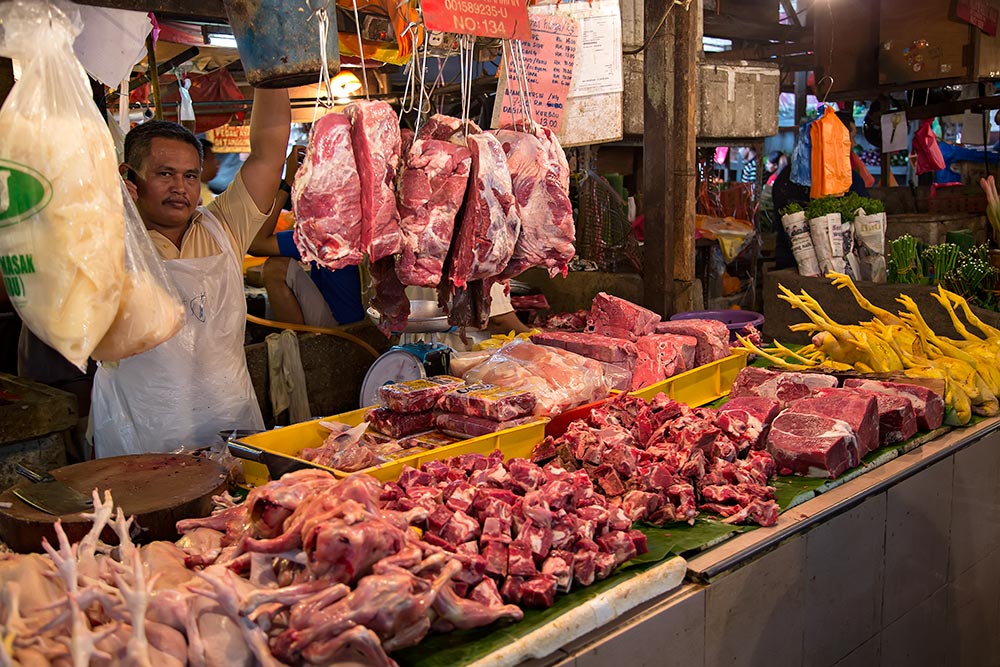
[904,262]
[940,260]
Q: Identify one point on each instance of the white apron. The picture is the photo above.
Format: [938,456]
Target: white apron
[185,390]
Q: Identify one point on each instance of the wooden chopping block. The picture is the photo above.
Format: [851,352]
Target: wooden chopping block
[157,489]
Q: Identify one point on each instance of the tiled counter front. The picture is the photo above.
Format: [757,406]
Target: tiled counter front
[900,567]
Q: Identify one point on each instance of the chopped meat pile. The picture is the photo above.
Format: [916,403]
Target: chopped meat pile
[663,462]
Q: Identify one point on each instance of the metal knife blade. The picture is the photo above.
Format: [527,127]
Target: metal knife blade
[277,464]
[49,494]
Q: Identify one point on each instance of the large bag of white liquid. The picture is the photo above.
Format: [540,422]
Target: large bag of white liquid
[150,311]
[62,223]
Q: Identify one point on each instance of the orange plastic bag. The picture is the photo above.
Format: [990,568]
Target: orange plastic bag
[831,156]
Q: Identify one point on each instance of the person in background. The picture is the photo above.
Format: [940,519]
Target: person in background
[775,163]
[187,389]
[209,170]
[749,172]
[320,298]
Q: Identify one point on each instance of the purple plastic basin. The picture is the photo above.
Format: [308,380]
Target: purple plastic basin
[735,320]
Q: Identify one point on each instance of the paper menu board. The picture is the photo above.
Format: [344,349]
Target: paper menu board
[598,68]
[548,66]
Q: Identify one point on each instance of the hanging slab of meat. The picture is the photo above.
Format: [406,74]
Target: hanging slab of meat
[860,413]
[810,445]
[927,403]
[540,176]
[491,223]
[446,128]
[376,142]
[613,316]
[389,296]
[712,337]
[326,197]
[468,306]
[782,387]
[431,189]
[896,419]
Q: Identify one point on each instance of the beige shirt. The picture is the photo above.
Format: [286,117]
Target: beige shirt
[240,219]
[500,304]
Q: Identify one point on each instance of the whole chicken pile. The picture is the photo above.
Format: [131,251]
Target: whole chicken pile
[901,342]
[314,570]
[663,461]
[452,207]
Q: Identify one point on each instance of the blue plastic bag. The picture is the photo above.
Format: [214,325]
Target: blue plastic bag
[801,165]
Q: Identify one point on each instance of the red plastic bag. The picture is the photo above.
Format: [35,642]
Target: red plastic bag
[925,147]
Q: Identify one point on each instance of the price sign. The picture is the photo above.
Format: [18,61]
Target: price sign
[548,63]
[507,19]
[981,13]
[230,139]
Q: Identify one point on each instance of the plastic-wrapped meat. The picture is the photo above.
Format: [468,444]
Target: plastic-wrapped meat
[326,197]
[417,395]
[376,142]
[344,449]
[491,402]
[540,175]
[431,189]
[466,426]
[400,424]
[389,296]
[491,223]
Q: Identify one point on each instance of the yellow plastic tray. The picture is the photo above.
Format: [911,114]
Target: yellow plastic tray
[290,440]
[701,385]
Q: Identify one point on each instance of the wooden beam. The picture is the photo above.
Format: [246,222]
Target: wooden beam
[763,51]
[977,105]
[727,27]
[190,9]
[684,138]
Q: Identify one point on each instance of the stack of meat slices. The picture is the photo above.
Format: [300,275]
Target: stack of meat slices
[479,409]
[408,407]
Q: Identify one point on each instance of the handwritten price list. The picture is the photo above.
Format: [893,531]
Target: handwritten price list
[548,65]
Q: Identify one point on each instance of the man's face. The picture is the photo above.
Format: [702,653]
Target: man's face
[169,183]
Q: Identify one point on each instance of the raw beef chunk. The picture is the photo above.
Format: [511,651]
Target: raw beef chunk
[896,419]
[431,189]
[712,337]
[326,197]
[860,412]
[376,142]
[601,348]
[488,401]
[782,387]
[399,424]
[417,395]
[811,445]
[612,316]
[927,403]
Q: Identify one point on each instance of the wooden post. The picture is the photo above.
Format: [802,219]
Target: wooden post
[6,78]
[669,155]
[154,78]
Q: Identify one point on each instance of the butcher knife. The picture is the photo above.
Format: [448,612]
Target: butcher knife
[49,494]
[277,464]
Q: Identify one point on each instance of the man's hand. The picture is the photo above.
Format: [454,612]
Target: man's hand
[270,124]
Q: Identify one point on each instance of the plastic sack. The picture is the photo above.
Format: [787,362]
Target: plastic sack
[797,228]
[801,164]
[61,212]
[831,156]
[560,380]
[150,310]
[925,147]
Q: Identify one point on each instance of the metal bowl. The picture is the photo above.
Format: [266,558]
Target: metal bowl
[425,317]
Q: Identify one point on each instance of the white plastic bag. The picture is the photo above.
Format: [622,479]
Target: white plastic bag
[869,234]
[61,214]
[797,228]
[150,310]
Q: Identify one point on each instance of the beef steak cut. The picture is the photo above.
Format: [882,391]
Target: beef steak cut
[810,445]
[927,403]
[616,317]
[896,419]
[712,337]
[782,387]
[860,413]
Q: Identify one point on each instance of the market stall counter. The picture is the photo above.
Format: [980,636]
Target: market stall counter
[897,566]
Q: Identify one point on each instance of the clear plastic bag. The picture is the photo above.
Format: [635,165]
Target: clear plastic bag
[61,213]
[150,310]
[801,165]
[559,379]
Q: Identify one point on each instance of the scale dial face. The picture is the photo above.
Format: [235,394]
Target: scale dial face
[393,366]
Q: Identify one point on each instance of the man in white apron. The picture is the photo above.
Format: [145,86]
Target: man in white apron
[184,391]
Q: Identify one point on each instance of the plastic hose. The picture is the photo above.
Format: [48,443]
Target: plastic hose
[320,330]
